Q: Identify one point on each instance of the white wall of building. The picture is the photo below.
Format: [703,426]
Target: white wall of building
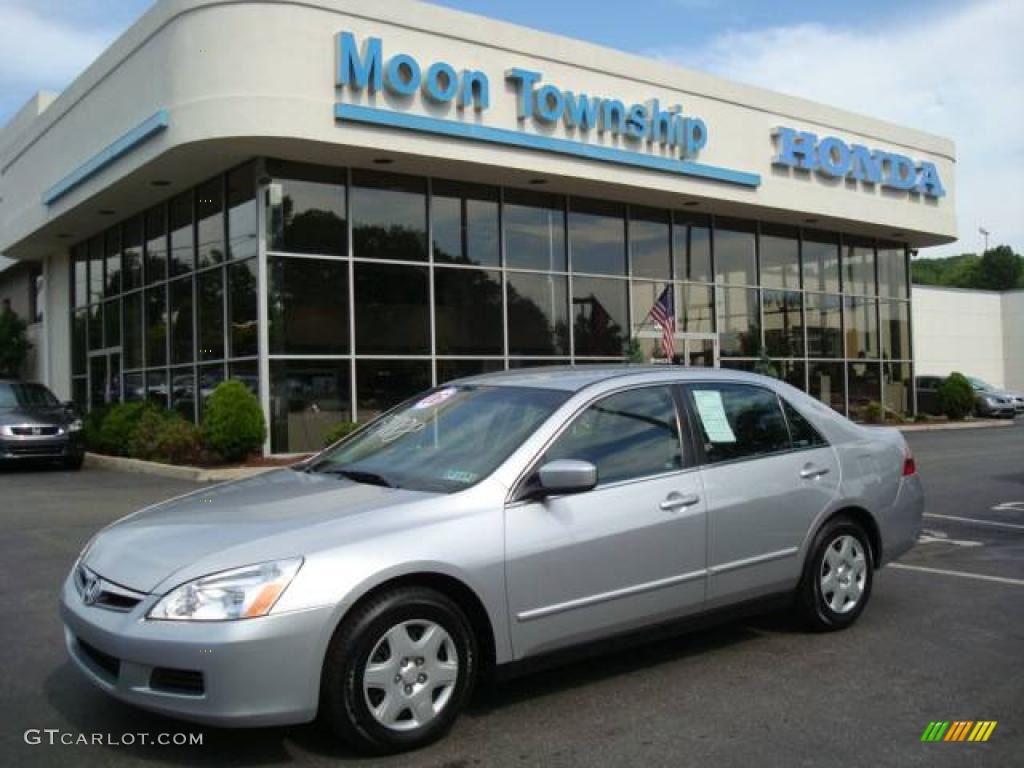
[979,333]
[1013,339]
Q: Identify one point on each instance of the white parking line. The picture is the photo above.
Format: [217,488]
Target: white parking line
[996,523]
[962,574]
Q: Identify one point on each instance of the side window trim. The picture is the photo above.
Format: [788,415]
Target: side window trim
[690,459]
[688,430]
[701,453]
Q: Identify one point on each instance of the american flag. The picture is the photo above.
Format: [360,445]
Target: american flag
[664,314]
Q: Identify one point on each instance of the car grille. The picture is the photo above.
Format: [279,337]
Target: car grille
[187,682]
[109,595]
[35,431]
[106,662]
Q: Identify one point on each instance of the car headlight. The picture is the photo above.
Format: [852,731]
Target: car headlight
[6,431]
[74,426]
[241,593]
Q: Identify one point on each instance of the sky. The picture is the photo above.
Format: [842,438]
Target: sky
[951,68]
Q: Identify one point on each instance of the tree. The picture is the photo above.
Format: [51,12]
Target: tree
[14,344]
[999,269]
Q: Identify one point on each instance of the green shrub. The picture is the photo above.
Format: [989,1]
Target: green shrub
[233,423]
[339,431]
[118,425]
[165,436]
[14,343]
[956,397]
[92,422]
[874,413]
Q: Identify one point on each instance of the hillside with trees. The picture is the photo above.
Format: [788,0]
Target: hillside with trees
[998,269]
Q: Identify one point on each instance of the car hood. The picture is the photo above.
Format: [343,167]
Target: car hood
[35,416]
[283,513]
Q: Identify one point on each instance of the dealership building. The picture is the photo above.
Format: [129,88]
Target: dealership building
[342,203]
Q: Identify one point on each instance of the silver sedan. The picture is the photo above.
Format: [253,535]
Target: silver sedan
[487,522]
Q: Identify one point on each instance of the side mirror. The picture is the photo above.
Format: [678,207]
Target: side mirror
[566,476]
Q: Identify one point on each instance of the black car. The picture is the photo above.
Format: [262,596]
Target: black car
[34,424]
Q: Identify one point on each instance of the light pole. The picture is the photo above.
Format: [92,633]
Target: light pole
[984,233]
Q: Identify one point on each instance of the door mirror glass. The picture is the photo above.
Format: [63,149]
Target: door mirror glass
[567,476]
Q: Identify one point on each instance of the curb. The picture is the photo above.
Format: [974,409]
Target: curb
[987,424]
[195,474]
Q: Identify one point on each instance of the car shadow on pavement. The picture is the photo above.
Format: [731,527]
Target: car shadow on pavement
[86,710]
[608,660]
[89,711]
[25,467]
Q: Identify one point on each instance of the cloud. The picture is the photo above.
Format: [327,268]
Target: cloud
[45,50]
[40,51]
[958,74]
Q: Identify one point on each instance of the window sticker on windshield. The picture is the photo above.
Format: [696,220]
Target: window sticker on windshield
[391,429]
[436,398]
[460,476]
[712,415]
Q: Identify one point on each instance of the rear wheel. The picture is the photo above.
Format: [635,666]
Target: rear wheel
[398,671]
[837,579]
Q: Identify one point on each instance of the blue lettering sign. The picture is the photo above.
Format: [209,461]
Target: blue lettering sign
[637,126]
[834,158]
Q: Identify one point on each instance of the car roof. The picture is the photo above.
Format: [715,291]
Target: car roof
[574,378]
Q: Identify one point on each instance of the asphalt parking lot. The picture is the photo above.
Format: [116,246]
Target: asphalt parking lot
[943,639]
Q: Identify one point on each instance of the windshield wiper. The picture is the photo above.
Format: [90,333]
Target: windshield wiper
[361,476]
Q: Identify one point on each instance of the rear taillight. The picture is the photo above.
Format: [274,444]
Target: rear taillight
[909,467]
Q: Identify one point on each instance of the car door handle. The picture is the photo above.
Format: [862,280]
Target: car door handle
[676,501]
[812,471]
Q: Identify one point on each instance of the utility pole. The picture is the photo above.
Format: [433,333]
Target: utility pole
[984,233]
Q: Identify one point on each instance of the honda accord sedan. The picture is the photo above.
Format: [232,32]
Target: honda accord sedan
[35,425]
[487,522]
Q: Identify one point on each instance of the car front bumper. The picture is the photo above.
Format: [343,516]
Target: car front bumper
[248,672]
[998,410]
[65,446]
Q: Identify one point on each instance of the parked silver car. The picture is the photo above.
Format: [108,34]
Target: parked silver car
[491,520]
[992,401]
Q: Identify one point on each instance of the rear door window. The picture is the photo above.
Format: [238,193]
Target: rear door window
[803,434]
[738,421]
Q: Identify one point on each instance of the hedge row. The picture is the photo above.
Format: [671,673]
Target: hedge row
[232,428]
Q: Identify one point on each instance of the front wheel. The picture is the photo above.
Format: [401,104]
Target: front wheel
[398,671]
[837,577]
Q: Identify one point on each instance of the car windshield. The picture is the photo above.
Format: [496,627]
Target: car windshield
[979,384]
[24,395]
[444,440]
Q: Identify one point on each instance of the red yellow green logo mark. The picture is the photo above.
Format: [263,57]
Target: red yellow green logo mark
[959,730]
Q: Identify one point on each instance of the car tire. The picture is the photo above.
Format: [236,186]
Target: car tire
[73,462]
[383,699]
[837,578]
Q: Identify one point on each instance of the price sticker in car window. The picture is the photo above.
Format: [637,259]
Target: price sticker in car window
[712,416]
[435,398]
